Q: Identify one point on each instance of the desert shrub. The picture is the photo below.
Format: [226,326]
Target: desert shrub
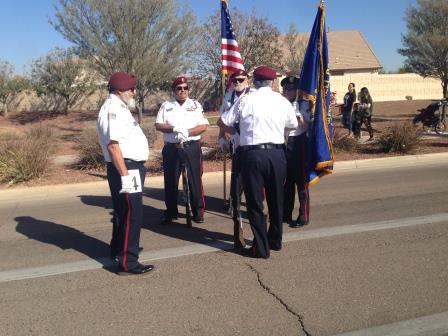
[26,157]
[400,137]
[343,143]
[90,155]
[151,134]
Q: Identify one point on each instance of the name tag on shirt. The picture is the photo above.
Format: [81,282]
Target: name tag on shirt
[136,181]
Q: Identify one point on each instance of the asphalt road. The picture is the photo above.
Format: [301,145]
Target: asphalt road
[373,261]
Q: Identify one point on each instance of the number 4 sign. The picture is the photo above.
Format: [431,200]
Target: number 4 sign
[136,180]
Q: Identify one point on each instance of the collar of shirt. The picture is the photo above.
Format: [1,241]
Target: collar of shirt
[118,100]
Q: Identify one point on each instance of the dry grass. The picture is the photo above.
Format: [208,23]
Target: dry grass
[90,155]
[343,143]
[401,137]
[26,157]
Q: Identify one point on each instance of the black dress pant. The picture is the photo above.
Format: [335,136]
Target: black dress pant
[296,177]
[264,172]
[172,156]
[127,217]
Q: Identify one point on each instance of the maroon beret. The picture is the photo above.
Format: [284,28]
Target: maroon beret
[122,81]
[265,73]
[179,80]
[238,73]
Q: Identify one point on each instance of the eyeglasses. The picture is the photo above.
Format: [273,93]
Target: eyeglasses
[238,80]
[182,88]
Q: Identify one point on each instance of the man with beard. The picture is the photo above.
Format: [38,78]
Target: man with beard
[240,85]
[263,117]
[181,121]
[125,149]
[296,158]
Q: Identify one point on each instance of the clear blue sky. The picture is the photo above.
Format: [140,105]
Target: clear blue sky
[27,35]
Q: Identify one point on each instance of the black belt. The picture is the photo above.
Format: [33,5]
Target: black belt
[133,161]
[261,146]
[184,144]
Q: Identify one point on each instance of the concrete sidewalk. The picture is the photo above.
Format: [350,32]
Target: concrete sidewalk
[216,177]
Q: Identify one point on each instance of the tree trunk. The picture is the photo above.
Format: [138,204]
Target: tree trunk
[5,110]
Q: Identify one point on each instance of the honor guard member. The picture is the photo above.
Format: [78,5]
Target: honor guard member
[240,88]
[181,120]
[125,149]
[296,158]
[263,117]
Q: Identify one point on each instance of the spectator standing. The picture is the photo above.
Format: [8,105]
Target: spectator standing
[347,113]
[364,113]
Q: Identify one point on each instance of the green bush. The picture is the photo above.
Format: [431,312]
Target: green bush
[23,158]
[400,137]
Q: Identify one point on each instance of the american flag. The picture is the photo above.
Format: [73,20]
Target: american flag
[231,57]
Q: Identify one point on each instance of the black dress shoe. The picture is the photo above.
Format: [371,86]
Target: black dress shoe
[298,223]
[251,253]
[275,247]
[198,219]
[140,269]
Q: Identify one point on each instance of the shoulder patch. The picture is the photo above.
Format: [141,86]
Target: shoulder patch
[111,115]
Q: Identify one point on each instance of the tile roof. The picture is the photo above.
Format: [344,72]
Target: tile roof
[348,50]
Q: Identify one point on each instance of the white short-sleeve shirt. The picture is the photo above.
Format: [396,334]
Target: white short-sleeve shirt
[302,108]
[263,116]
[228,103]
[116,123]
[188,115]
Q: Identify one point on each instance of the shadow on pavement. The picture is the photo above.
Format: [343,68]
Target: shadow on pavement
[65,238]
[152,217]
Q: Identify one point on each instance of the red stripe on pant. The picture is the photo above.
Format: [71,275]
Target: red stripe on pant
[126,237]
[201,167]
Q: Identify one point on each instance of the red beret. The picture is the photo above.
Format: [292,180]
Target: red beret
[265,73]
[239,73]
[179,80]
[122,81]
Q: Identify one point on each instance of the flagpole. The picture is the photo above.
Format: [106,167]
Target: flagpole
[224,154]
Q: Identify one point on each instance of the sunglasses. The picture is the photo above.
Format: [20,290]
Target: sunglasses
[238,80]
[182,88]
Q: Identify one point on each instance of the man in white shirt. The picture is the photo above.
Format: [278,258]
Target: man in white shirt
[296,158]
[181,120]
[263,117]
[240,88]
[125,149]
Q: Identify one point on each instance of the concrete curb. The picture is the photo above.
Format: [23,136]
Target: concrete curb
[50,191]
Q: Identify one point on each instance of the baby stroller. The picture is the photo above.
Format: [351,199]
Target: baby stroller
[433,116]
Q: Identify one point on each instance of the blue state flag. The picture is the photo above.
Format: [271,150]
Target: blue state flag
[315,85]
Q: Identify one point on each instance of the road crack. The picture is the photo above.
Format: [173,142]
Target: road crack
[277,298]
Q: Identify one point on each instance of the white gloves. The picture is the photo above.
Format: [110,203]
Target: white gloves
[180,137]
[126,184]
[181,130]
[222,143]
